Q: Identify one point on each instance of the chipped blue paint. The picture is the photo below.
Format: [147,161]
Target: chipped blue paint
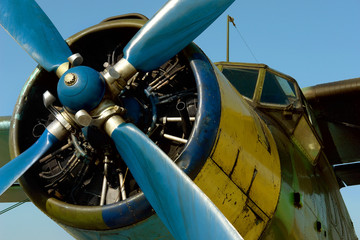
[208,115]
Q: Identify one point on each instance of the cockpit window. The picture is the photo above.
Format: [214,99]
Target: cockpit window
[244,80]
[277,90]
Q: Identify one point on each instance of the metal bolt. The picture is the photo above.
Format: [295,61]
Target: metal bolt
[48,99]
[83,118]
[70,79]
[76,59]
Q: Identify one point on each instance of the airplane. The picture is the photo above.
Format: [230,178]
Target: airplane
[263,138]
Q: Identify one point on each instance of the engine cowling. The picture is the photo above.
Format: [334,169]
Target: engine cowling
[168,104]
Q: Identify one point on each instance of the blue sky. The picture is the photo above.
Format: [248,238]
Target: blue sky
[312,41]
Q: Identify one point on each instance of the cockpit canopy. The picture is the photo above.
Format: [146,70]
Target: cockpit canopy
[278,96]
[322,117]
[261,84]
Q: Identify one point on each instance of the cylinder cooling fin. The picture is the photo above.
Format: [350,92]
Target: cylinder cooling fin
[83,182]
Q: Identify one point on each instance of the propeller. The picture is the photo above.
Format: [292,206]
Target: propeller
[180,204]
[184,209]
[14,169]
[174,26]
[30,27]
[26,22]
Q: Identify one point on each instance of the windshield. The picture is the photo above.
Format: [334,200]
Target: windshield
[244,80]
[277,90]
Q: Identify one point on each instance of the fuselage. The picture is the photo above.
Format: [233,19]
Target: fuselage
[252,149]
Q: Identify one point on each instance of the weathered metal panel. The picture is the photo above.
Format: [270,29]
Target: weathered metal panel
[242,175]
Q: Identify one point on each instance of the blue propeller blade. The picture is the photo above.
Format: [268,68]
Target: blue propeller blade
[10,172]
[184,209]
[177,24]
[32,29]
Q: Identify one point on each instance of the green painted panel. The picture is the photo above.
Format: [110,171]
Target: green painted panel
[4,140]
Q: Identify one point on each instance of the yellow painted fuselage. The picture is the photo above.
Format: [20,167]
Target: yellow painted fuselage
[263,179]
[242,175]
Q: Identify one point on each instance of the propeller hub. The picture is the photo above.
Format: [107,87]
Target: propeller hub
[70,79]
[81,88]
